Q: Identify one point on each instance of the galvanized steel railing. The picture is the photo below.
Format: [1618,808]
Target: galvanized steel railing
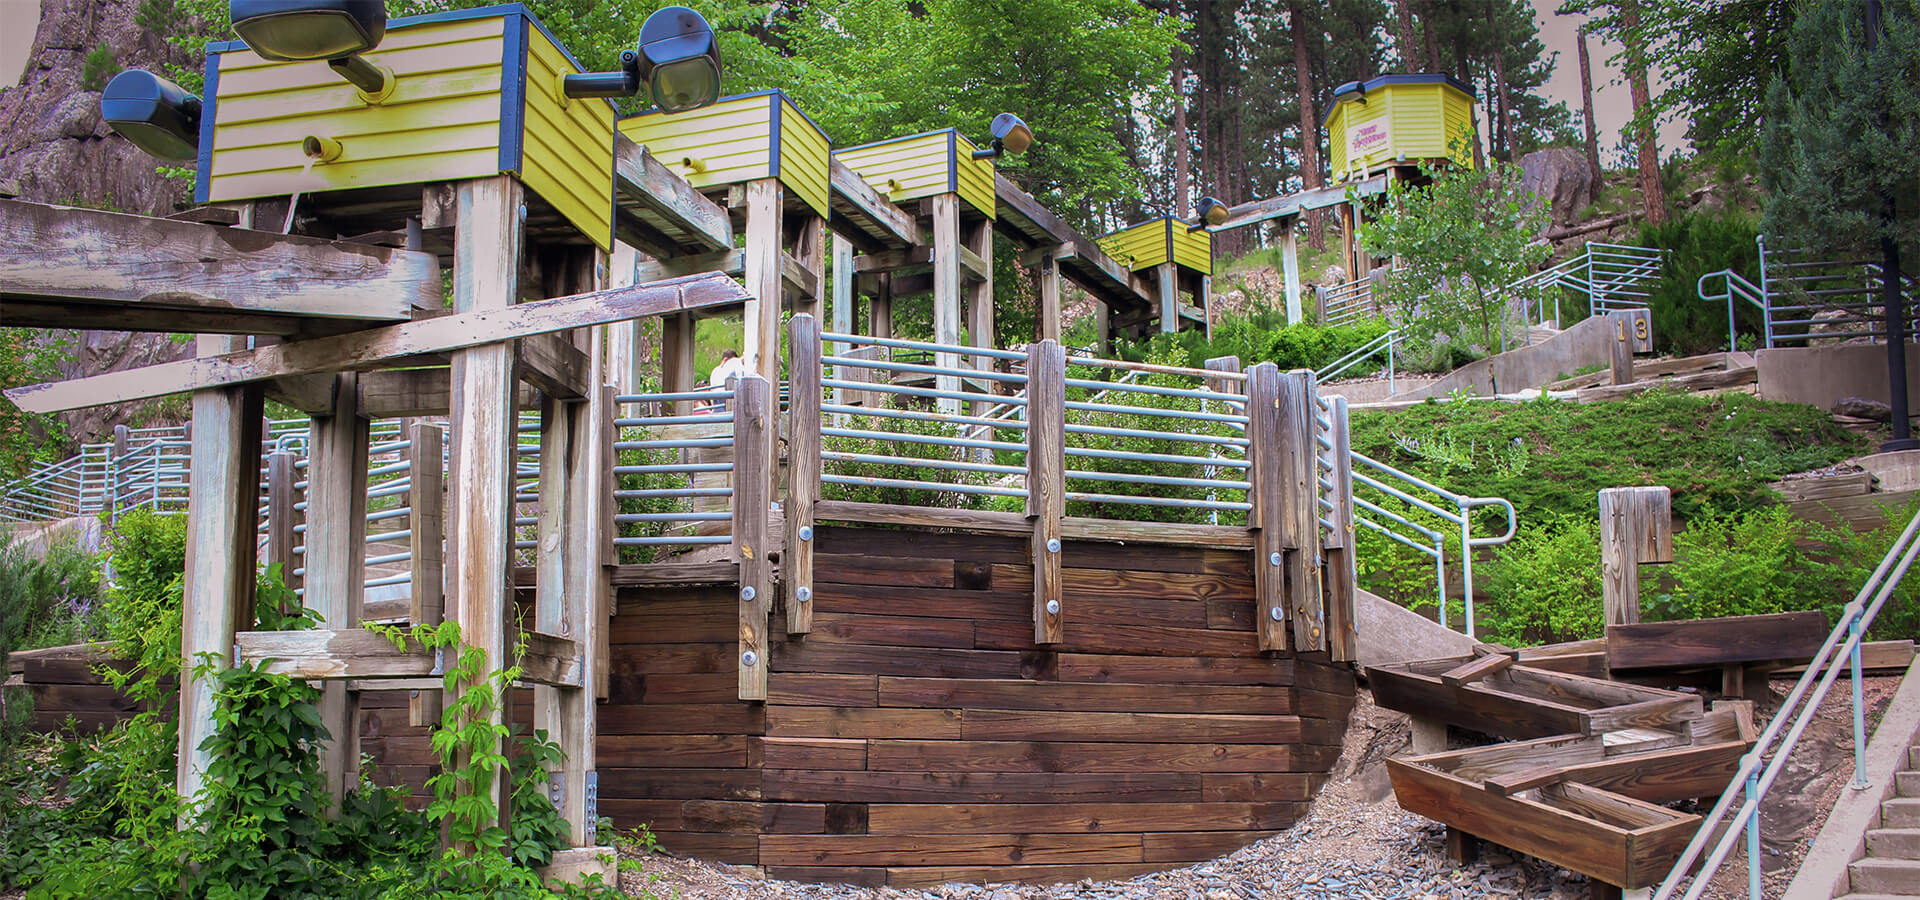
[674,470]
[1387,343]
[1762,765]
[1202,426]
[1348,302]
[1394,503]
[1735,287]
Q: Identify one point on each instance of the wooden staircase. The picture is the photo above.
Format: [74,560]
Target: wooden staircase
[1891,868]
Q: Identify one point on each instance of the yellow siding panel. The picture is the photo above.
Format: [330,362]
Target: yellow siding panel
[905,169]
[726,143]
[1337,141]
[804,150]
[567,150]
[1192,249]
[442,122]
[976,178]
[1137,247]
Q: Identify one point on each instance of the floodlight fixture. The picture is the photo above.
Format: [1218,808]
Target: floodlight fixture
[678,59]
[157,115]
[1208,213]
[334,30]
[1010,135]
[1352,90]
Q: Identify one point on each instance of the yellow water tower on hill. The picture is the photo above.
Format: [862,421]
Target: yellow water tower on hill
[1398,120]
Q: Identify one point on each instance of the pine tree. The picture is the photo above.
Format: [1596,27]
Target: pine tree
[1840,150]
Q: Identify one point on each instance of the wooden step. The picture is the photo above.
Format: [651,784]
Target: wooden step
[1894,843]
[1887,876]
[1900,812]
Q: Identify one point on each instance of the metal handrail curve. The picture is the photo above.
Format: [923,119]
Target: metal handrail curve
[1461,515]
[1735,285]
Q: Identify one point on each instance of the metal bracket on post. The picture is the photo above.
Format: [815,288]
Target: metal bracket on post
[593,807]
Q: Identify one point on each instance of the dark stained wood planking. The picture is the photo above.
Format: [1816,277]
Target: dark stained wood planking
[978,787]
[1074,818]
[1084,757]
[1710,642]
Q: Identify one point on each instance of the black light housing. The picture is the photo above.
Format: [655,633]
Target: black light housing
[1010,135]
[158,116]
[333,30]
[678,58]
[294,30]
[1209,212]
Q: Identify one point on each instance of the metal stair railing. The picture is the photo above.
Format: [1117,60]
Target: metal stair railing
[1347,303]
[1763,764]
[1452,509]
[1736,287]
[1388,343]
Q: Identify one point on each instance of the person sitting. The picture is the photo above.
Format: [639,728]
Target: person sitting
[731,366]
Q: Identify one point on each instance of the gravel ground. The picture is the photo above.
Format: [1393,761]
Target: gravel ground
[1356,842]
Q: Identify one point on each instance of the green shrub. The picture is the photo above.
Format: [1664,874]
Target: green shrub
[1736,564]
[1716,453]
[1544,586]
[1258,335]
[1698,243]
[98,68]
[148,555]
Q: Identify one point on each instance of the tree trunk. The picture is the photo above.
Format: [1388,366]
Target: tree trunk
[1504,133]
[1649,153]
[1309,118]
[1896,312]
[1407,45]
[1182,144]
[1586,106]
[1426,28]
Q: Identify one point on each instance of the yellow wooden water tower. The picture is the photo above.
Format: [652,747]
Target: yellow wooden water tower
[1398,120]
[471,94]
[1180,257]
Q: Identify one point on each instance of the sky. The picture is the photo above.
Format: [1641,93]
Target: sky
[1612,106]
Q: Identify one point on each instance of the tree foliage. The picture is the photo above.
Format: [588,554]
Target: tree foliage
[1840,154]
[1461,238]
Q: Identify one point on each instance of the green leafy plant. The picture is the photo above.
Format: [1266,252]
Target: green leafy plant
[97,68]
[1544,587]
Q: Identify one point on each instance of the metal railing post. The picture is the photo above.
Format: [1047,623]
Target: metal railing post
[1753,835]
[1860,781]
[1466,565]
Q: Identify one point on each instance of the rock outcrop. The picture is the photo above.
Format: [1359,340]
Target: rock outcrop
[54,148]
[1561,178]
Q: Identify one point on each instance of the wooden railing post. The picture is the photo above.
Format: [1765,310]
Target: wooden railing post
[1047,483]
[803,468]
[1636,526]
[280,472]
[1337,572]
[1301,511]
[336,559]
[1267,519]
[426,494]
[752,482]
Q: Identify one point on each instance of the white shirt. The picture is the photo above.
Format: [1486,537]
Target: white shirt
[727,369]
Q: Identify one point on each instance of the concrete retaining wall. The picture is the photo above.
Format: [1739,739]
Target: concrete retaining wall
[1587,343]
[1819,376]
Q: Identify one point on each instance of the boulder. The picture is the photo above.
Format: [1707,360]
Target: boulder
[1560,178]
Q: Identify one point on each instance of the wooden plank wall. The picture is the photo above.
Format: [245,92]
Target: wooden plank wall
[918,734]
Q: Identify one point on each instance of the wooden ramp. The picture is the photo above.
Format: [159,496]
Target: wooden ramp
[1587,763]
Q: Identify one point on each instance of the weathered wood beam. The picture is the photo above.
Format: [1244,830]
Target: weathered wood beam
[1289,205]
[653,198]
[794,274]
[917,260]
[860,212]
[1024,219]
[320,654]
[555,366]
[377,346]
[109,265]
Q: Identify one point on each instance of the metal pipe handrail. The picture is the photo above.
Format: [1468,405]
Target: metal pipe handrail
[1749,783]
[1460,516]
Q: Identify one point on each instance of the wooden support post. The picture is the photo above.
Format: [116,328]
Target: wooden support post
[763,264]
[280,478]
[1166,279]
[1268,520]
[1103,328]
[219,579]
[803,469]
[1290,270]
[1047,483]
[946,290]
[336,559]
[880,309]
[553,560]
[1338,571]
[486,272]
[676,358]
[588,595]
[1620,367]
[1300,510]
[979,292]
[1203,298]
[426,493]
[753,472]
[1049,277]
[1636,526]
[844,281]
[810,251]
